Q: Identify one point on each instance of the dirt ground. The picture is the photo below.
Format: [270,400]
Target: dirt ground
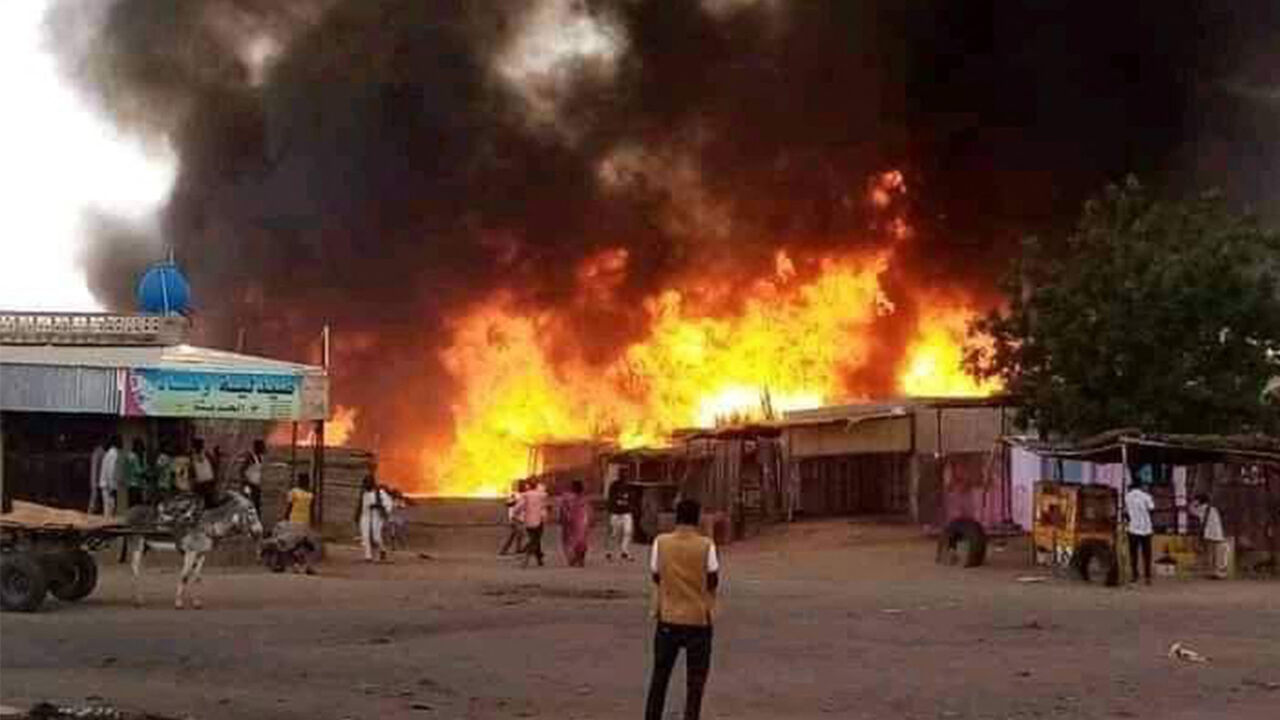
[831,619]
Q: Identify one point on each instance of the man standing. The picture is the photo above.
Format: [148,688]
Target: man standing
[1219,551]
[686,571]
[95,475]
[532,506]
[109,476]
[135,474]
[1138,505]
[206,480]
[621,526]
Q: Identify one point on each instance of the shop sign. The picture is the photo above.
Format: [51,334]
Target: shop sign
[232,396]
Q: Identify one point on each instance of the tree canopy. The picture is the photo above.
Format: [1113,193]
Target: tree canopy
[1151,314]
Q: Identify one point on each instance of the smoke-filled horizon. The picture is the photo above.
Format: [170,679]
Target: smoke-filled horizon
[381,165]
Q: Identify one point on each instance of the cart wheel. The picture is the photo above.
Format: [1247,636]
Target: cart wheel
[22,582]
[963,542]
[78,576]
[1095,562]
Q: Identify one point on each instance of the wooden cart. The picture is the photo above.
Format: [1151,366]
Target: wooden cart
[46,551]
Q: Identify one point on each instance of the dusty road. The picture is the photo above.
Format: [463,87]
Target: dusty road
[818,620]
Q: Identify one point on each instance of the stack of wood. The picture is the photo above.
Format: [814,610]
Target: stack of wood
[344,469]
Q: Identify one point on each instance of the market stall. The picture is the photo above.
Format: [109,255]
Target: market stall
[1240,474]
[69,381]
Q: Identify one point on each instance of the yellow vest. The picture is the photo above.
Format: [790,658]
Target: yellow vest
[682,594]
[300,506]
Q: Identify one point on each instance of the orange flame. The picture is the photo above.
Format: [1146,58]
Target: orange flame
[791,341]
[337,430]
[933,367]
[790,346]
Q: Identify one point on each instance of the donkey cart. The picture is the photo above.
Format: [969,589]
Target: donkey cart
[46,551]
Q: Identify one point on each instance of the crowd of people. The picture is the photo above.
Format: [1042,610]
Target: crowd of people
[530,507]
[122,478]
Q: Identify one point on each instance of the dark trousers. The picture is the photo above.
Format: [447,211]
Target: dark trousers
[255,497]
[533,546]
[667,643]
[1139,543]
[515,539]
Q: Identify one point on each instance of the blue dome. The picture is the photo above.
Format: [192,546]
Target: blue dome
[163,290]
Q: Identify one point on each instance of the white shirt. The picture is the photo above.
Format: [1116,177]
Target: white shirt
[369,499]
[107,474]
[713,560]
[1139,505]
[1211,520]
[95,466]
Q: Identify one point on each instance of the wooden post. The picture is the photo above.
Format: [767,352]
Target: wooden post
[317,465]
[318,445]
[293,455]
[1122,548]
[6,502]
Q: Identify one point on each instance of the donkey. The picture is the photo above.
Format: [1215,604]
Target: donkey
[195,530]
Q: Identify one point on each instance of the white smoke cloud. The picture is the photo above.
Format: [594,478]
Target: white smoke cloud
[559,42]
[62,164]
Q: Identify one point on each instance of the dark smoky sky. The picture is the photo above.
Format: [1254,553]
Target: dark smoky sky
[384,165]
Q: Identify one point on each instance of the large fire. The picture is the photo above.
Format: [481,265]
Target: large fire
[792,345]
[792,340]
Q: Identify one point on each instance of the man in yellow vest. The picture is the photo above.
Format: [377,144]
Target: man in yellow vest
[686,571]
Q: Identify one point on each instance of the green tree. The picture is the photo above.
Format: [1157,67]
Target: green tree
[1157,315]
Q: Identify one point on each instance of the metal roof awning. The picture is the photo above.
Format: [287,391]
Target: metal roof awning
[161,357]
[160,381]
[1138,447]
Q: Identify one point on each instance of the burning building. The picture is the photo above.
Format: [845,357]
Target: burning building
[552,219]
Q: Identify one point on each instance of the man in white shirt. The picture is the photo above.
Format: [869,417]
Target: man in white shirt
[109,476]
[95,475]
[1138,505]
[1219,550]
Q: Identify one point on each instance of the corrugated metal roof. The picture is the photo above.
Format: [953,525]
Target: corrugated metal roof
[173,357]
[899,406]
[45,388]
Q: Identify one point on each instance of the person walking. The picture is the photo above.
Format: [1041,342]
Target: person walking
[371,515]
[1138,505]
[251,473]
[686,572]
[109,476]
[397,530]
[514,544]
[575,525]
[532,507]
[1218,549]
[621,502]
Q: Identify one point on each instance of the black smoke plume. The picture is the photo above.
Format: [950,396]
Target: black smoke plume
[376,164]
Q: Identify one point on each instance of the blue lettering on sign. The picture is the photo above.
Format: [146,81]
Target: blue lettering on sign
[276,384]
